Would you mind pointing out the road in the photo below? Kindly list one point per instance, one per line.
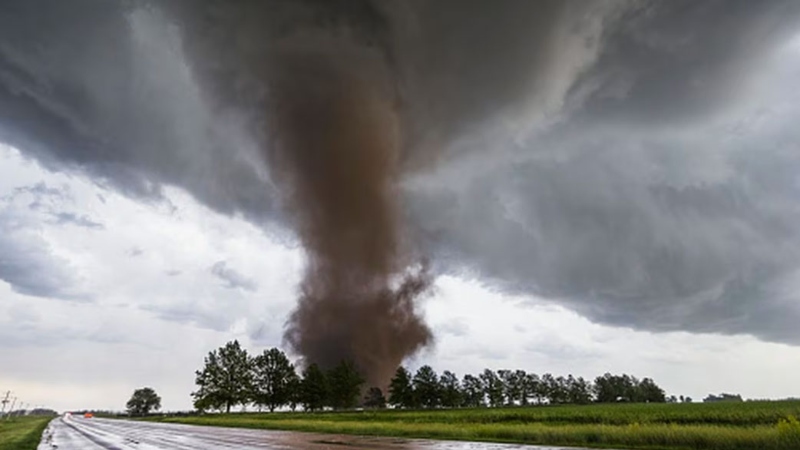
(73, 433)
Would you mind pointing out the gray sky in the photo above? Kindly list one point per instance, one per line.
(627, 201)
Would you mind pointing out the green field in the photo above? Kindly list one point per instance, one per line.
(750, 426)
(22, 433)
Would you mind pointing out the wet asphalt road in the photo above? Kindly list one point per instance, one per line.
(73, 433)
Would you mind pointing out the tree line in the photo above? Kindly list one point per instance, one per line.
(426, 389)
(231, 377)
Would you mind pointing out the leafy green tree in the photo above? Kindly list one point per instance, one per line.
(632, 391)
(450, 390)
(313, 388)
(426, 387)
(143, 401)
(626, 388)
(401, 392)
(610, 388)
(533, 389)
(579, 391)
(295, 390)
(519, 387)
(493, 387)
(513, 386)
(225, 379)
(344, 384)
(558, 390)
(272, 376)
(473, 391)
(650, 392)
(374, 398)
(504, 375)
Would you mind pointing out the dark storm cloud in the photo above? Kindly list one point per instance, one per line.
(653, 233)
(232, 278)
(619, 194)
(633, 212)
(97, 86)
(672, 62)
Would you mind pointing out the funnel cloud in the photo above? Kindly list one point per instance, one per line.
(335, 152)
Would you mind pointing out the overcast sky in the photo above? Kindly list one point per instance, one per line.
(628, 201)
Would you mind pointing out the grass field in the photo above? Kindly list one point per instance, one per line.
(723, 426)
(22, 433)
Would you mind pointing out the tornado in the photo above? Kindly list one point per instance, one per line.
(334, 150)
(347, 99)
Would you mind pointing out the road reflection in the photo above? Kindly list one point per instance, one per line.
(94, 434)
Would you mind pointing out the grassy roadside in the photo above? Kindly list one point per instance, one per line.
(22, 433)
(743, 426)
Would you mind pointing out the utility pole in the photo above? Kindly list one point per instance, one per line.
(12, 407)
(4, 402)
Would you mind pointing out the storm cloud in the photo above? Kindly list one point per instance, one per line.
(634, 161)
(28, 264)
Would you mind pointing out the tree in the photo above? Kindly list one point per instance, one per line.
(514, 387)
(344, 384)
(557, 389)
(225, 379)
(450, 390)
(723, 398)
(313, 388)
(143, 401)
(579, 391)
(374, 398)
(626, 388)
(505, 376)
(550, 389)
(519, 387)
(532, 389)
(472, 391)
(272, 376)
(401, 393)
(612, 388)
(426, 387)
(294, 386)
(650, 392)
(493, 387)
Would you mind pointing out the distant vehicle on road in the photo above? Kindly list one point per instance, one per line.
(88, 415)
